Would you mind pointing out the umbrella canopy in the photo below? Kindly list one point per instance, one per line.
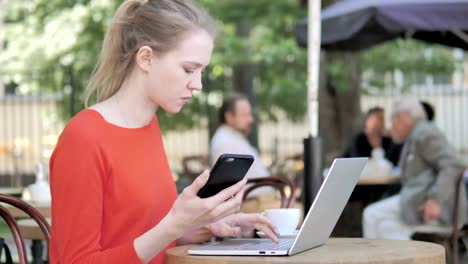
(358, 24)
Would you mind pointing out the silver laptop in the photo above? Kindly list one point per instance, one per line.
(317, 226)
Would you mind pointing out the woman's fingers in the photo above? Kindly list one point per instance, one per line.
(268, 231)
(228, 192)
(265, 221)
(199, 182)
(213, 208)
(228, 207)
(262, 223)
(231, 231)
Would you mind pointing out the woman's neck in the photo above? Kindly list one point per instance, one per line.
(132, 104)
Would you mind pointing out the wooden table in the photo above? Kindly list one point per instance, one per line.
(387, 180)
(335, 251)
(30, 229)
(375, 179)
(43, 208)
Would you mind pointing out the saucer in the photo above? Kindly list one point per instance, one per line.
(292, 235)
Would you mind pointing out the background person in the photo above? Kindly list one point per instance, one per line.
(429, 170)
(236, 120)
(373, 135)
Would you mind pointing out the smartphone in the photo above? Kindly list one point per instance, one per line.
(228, 170)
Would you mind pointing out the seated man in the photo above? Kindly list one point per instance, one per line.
(373, 136)
(235, 118)
(429, 169)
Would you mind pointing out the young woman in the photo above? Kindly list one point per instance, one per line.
(113, 197)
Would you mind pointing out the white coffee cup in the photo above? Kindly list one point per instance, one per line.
(285, 219)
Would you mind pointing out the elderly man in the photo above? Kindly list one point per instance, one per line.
(429, 169)
(236, 119)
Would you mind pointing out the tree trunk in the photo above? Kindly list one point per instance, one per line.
(339, 110)
(244, 74)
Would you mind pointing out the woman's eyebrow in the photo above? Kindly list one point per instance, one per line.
(197, 64)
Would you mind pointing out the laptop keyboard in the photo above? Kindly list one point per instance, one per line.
(283, 244)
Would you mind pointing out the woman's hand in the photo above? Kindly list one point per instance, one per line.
(190, 211)
(243, 225)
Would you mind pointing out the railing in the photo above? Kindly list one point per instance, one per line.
(29, 130)
(30, 126)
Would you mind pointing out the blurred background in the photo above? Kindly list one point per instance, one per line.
(48, 50)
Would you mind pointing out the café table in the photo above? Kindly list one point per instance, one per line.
(43, 208)
(379, 180)
(335, 251)
(30, 230)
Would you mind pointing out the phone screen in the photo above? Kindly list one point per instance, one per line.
(228, 170)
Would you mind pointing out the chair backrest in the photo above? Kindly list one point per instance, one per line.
(10, 220)
(456, 211)
(280, 184)
(453, 232)
(457, 231)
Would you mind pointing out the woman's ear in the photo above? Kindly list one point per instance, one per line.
(144, 58)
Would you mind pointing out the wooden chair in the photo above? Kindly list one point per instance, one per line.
(447, 234)
(10, 220)
(292, 168)
(280, 184)
(193, 166)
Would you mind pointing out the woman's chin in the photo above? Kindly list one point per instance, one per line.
(173, 109)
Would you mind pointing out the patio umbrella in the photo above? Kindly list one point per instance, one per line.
(359, 24)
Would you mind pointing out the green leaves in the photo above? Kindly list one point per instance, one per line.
(281, 66)
(409, 56)
(53, 45)
(414, 59)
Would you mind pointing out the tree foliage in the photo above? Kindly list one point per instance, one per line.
(410, 57)
(53, 45)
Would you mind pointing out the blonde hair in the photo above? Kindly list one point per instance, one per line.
(159, 24)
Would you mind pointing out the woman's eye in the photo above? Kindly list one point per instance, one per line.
(188, 70)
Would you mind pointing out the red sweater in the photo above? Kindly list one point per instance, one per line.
(109, 185)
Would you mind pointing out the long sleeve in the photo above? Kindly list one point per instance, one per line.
(109, 186)
(78, 174)
(436, 151)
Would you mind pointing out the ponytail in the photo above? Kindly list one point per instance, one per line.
(159, 24)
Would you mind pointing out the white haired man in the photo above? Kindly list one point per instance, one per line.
(429, 169)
